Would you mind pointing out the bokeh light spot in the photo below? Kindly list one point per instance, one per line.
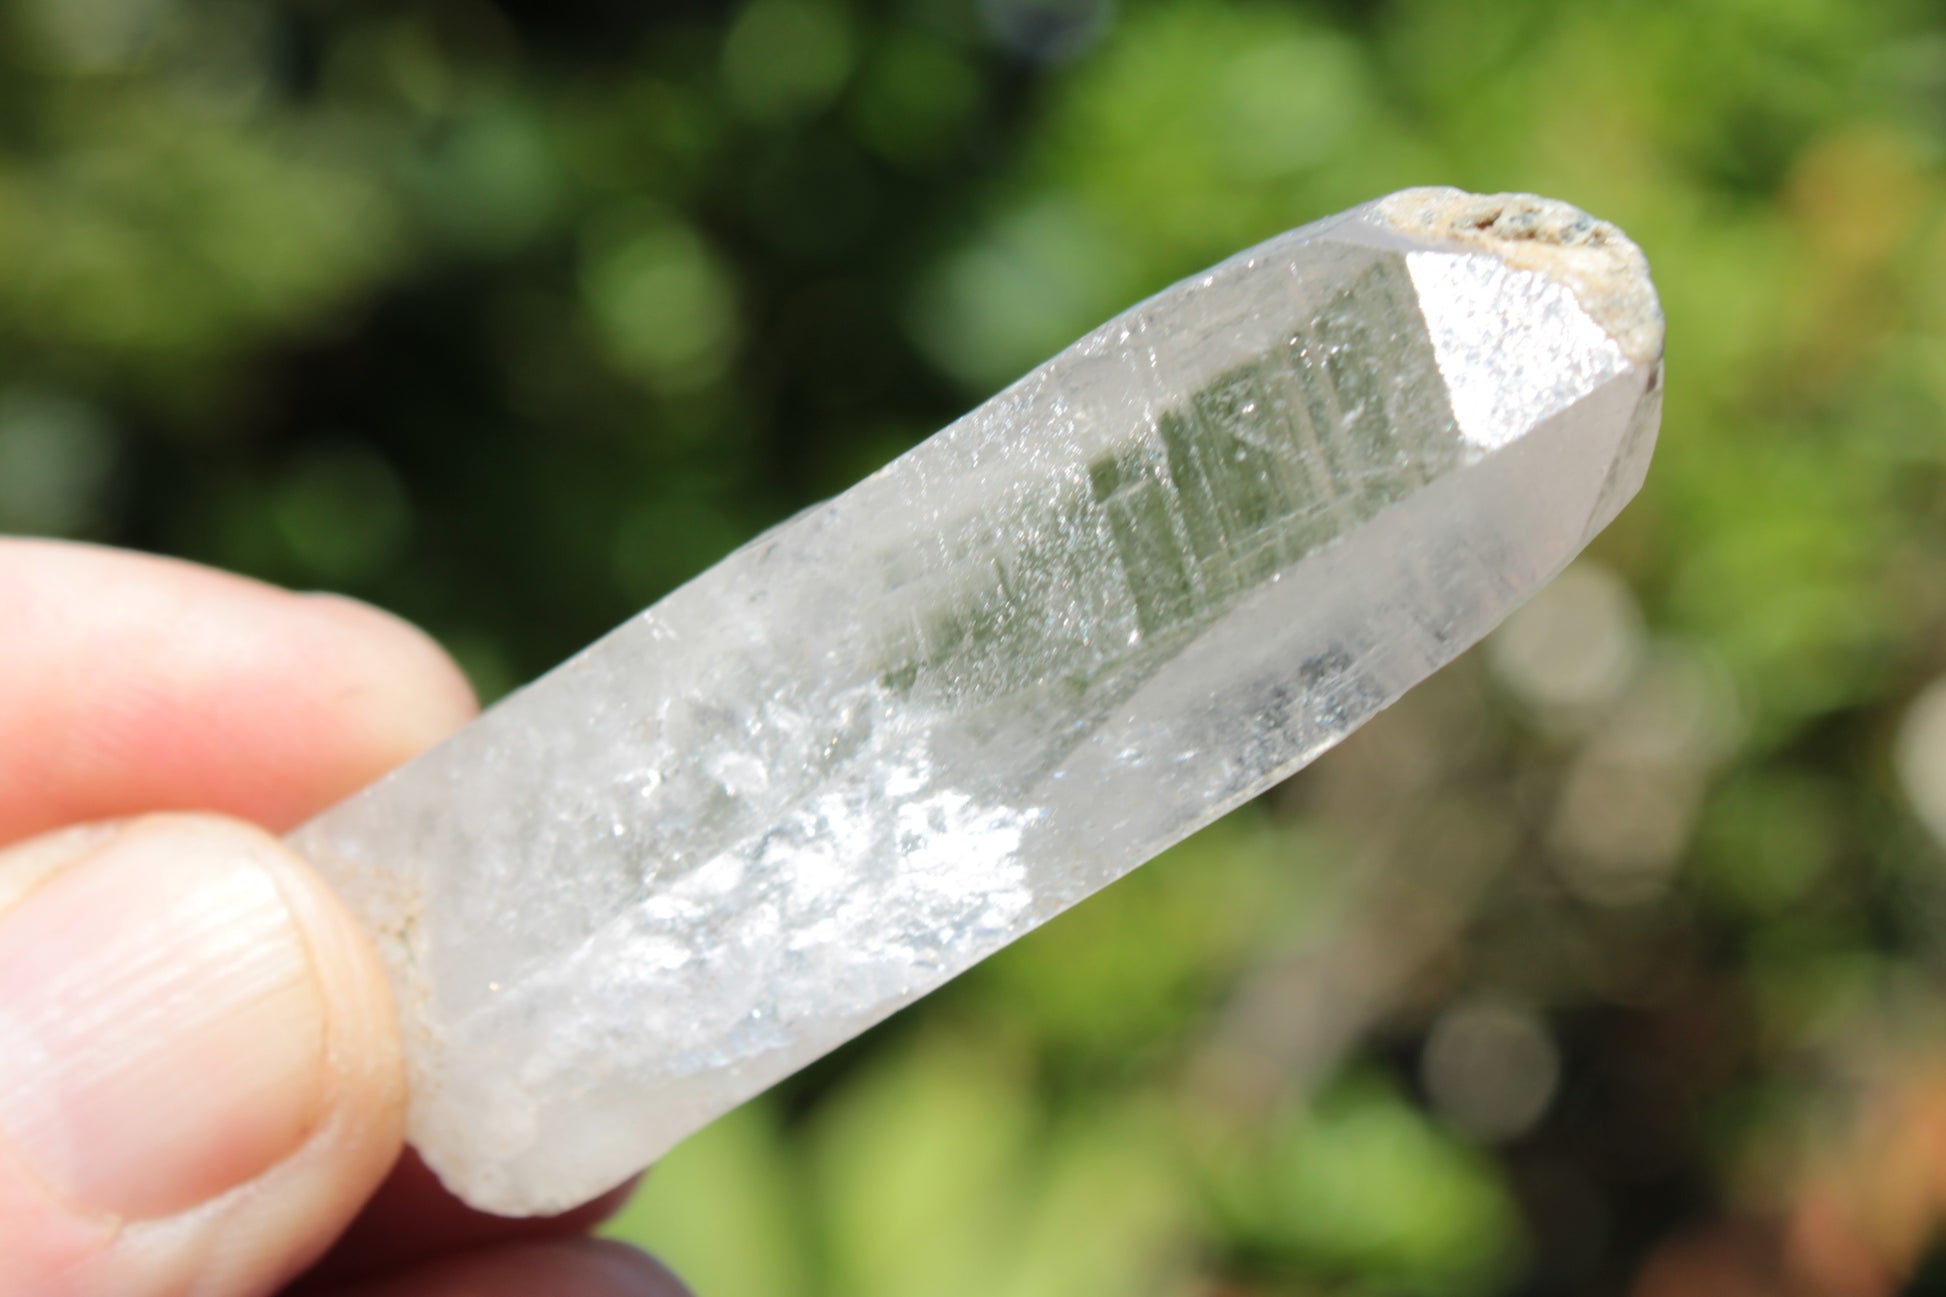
(1921, 758)
(1049, 30)
(1574, 647)
(786, 58)
(663, 301)
(1492, 1068)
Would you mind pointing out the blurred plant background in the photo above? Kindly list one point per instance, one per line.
(1612, 961)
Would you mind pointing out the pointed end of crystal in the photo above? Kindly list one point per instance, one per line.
(1600, 265)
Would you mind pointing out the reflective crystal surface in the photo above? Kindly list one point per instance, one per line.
(1151, 579)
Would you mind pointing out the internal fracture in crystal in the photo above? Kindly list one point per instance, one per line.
(1148, 581)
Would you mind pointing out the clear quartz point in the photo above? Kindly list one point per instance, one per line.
(1140, 586)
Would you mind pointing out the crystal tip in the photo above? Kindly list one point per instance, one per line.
(1603, 268)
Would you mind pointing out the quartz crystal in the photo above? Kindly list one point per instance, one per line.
(1146, 582)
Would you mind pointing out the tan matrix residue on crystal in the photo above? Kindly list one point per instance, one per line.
(1600, 265)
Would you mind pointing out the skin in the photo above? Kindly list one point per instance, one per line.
(159, 725)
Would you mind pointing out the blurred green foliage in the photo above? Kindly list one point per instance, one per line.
(510, 316)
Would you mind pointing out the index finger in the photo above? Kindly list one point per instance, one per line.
(130, 683)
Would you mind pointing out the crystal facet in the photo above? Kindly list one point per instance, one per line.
(1157, 575)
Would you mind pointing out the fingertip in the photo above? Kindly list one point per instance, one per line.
(425, 695)
(132, 683)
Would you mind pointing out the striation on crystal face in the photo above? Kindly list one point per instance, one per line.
(1151, 579)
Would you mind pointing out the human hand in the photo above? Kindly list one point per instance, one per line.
(200, 1084)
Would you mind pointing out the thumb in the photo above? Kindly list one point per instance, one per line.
(199, 1066)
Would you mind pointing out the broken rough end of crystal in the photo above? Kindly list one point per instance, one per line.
(1600, 265)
